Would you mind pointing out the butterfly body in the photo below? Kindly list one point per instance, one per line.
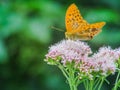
(77, 27)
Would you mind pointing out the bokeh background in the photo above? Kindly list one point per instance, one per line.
(26, 34)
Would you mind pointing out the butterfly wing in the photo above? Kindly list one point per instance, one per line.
(96, 28)
(77, 27)
(73, 19)
(91, 30)
(87, 32)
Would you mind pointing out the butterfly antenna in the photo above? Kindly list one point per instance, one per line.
(58, 29)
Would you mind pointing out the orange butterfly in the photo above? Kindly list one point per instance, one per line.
(77, 27)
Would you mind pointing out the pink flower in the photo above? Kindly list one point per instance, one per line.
(105, 60)
(118, 52)
(69, 51)
(86, 69)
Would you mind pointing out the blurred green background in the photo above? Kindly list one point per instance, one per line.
(26, 34)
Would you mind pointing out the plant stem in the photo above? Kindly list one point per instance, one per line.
(91, 84)
(97, 82)
(72, 78)
(65, 73)
(101, 84)
(69, 73)
(116, 85)
(86, 84)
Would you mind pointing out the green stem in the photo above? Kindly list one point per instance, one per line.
(69, 73)
(97, 82)
(72, 79)
(66, 74)
(86, 85)
(64, 71)
(91, 84)
(75, 87)
(78, 81)
(101, 84)
(116, 85)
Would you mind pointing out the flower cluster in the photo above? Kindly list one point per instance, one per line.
(105, 60)
(69, 51)
(86, 63)
(80, 65)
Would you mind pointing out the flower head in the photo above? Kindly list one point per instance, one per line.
(105, 60)
(69, 50)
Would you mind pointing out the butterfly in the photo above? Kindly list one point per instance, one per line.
(77, 28)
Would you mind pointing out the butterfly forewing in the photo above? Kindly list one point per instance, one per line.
(74, 19)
